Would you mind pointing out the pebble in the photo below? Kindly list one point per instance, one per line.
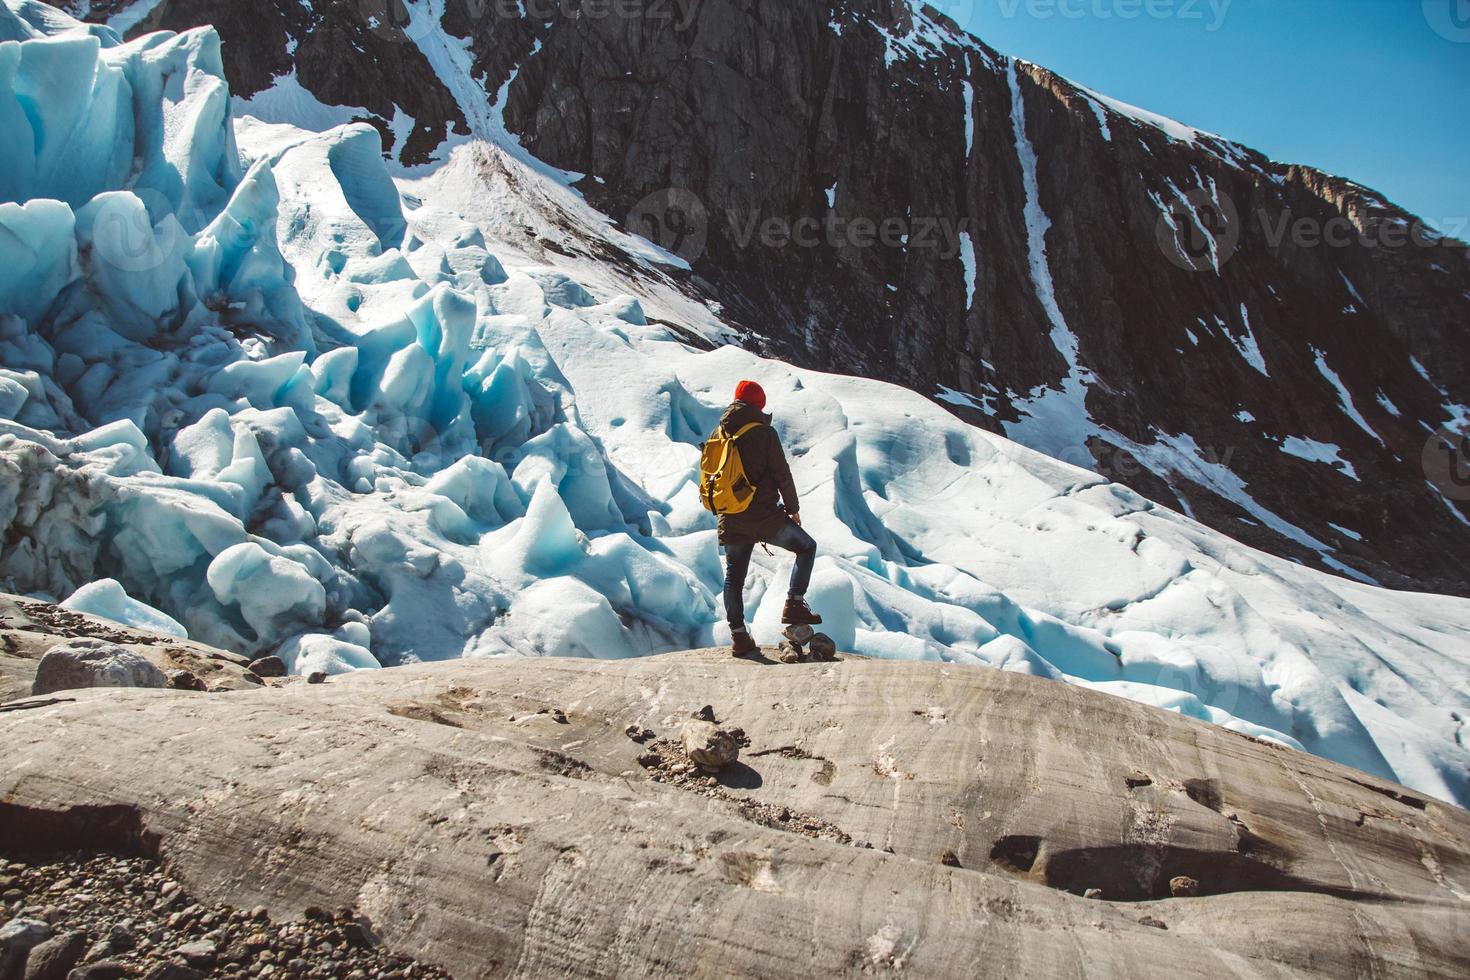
(200, 954)
(1183, 887)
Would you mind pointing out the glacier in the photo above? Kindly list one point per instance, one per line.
(258, 385)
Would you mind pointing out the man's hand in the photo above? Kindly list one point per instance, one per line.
(795, 519)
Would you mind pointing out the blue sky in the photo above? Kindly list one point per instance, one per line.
(1374, 90)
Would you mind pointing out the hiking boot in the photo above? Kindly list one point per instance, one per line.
(741, 644)
(797, 612)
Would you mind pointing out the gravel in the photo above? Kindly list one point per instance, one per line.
(126, 917)
(666, 762)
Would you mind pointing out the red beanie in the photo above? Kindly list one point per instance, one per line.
(751, 393)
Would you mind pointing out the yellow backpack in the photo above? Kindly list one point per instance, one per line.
(723, 485)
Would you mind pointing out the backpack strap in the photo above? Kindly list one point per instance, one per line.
(730, 441)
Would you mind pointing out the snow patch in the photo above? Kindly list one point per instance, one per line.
(1344, 398)
(1057, 422)
(967, 260)
(1318, 452)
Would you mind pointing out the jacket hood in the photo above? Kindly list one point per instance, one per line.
(739, 413)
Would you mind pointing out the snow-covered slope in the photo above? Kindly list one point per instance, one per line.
(297, 406)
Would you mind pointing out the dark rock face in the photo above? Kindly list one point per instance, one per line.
(1265, 346)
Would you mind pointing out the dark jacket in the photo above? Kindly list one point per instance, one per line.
(765, 467)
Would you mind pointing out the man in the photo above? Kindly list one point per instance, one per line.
(773, 517)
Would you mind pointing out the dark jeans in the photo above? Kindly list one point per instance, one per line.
(737, 564)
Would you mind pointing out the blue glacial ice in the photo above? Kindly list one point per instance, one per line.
(107, 598)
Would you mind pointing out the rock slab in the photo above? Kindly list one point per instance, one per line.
(492, 817)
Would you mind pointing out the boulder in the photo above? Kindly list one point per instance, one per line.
(101, 970)
(709, 746)
(822, 647)
(271, 666)
(173, 971)
(84, 662)
(183, 680)
(53, 959)
(17, 938)
(1183, 886)
(200, 954)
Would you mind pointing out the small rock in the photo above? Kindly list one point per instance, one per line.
(357, 936)
(1183, 887)
(1149, 920)
(268, 667)
(949, 859)
(1093, 893)
(634, 732)
(236, 952)
(173, 971)
(54, 958)
(559, 716)
(710, 747)
(199, 954)
(84, 662)
(101, 970)
(316, 677)
(822, 647)
(259, 913)
(649, 760)
(183, 680)
(707, 713)
(17, 938)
